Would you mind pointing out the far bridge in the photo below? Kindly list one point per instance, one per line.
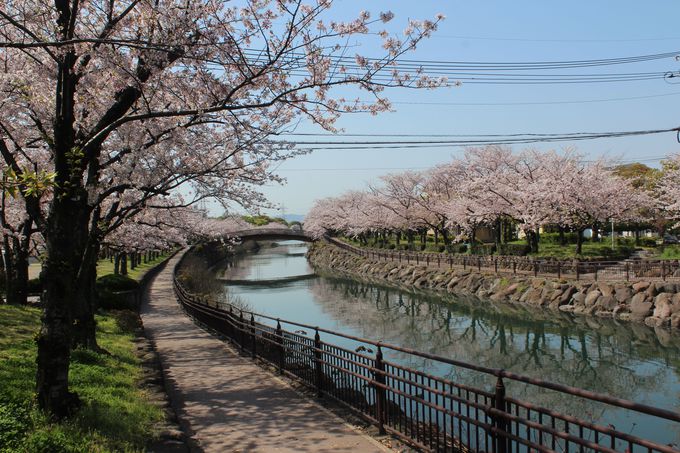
(271, 234)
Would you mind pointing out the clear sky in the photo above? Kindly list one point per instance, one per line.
(503, 31)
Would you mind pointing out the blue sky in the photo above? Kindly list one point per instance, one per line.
(518, 31)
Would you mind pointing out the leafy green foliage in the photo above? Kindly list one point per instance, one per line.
(261, 220)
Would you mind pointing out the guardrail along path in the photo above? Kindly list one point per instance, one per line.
(227, 403)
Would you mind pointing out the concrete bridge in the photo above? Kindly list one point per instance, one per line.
(272, 234)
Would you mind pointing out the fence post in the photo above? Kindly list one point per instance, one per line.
(499, 422)
(380, 393)
(464, 262)
(535, 268)
(578, 275)
(495, 264)
(479, 263)
(627, 271)
(559, 269)
(231, 324)
(282, 348)
(242, 330)
(427, 260)
(450, 262)
(596, 272)
(253, 337)
(438, 262)
(514, 267)
(317, 363)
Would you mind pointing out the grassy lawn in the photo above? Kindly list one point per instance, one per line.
(105, 267)
(116, 414)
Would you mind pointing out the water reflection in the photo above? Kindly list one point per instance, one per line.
(627, 361)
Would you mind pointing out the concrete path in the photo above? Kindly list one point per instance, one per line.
(225, 402)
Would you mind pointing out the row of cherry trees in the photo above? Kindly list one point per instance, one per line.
(490, 186)
(110, 108)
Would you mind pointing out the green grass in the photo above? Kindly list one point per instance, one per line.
(116, 414)
(105, 267)
(669, 252)
(589, 249)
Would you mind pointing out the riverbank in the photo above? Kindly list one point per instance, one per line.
(657, 304)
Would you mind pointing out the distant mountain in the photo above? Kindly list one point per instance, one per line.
(293, 217)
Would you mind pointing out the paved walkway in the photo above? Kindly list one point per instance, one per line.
(225, 402)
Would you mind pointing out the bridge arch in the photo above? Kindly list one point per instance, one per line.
(271, 234)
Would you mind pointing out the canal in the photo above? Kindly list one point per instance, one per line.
(624, 360)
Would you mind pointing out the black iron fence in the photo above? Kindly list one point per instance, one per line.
(572, 269)
(428, 411)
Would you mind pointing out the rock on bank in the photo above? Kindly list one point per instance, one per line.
(657, 304)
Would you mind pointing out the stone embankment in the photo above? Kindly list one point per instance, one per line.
(657, 304)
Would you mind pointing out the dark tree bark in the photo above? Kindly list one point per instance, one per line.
(123, 264)
(16, 283)
(579, 241)
(116, 264)
(562, 238)
(85, 305)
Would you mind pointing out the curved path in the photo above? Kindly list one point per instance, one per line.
(225, 402)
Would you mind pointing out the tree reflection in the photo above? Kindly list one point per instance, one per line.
(627, 361)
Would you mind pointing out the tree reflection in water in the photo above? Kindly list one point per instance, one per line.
(624, 360)
(628, 361)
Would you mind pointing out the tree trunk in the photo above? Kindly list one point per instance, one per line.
(596, 233)
(637, 235)
(123, 264)
(532, 241)
(85, 303)
(563, 241)
(67, 232)
(16, 261)
(409, 238)
(116, 264)
(579, 241)
(497, 233)
(398, 237)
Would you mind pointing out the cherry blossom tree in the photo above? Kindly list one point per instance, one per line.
(76, 75)
(668, 189)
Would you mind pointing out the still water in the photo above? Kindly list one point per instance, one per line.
(624, 360)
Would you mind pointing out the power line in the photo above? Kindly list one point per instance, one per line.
(496, 38)
(457, 137)
(583, 101)
(622, 161)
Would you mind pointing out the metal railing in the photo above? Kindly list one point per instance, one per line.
(574, 269)
(430, 412)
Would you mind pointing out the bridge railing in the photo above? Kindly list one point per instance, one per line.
(574, 269)
(428, 411)
(269, 232)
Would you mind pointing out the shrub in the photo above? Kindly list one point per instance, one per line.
(554, 238)
(441, 248)
(482, 249)
(109, 288)
(513, 249)
(648, 242)
(422, 247)
(392, 246)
